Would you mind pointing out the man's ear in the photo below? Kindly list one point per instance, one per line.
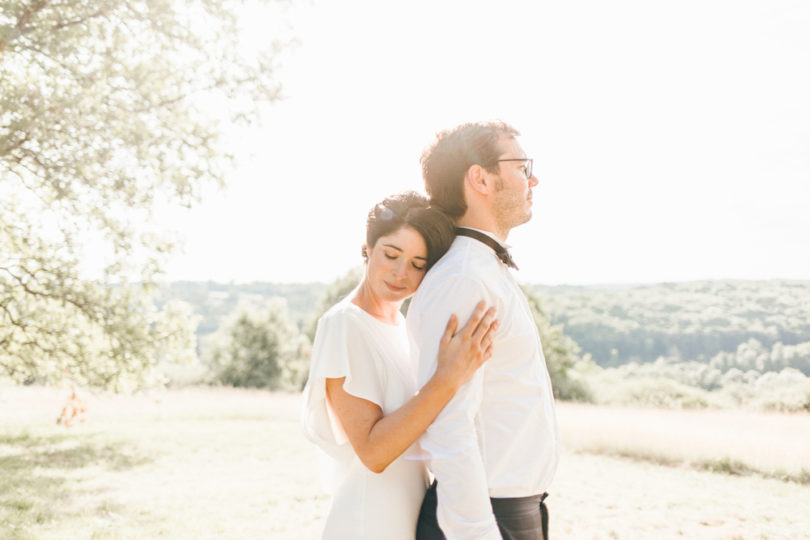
(478, 179)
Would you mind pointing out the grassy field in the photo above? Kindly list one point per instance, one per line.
(232, 464)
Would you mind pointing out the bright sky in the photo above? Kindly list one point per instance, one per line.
(671, 139)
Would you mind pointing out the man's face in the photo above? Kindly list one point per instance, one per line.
(512, 203)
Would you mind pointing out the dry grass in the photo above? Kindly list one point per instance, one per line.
(774, 445)
(230, 464)
(192, 464)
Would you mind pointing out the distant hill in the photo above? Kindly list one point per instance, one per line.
(679, 321)
(213, 301)
(616, 324)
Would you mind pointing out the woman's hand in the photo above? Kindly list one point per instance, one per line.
(462, 353)
(379, 439)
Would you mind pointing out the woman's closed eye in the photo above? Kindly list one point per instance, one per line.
(392, 257)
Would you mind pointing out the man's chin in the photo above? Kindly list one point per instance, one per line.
(526, 217)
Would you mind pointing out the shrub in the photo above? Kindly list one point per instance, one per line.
(259, 347)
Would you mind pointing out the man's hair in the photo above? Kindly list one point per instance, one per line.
(447, 160)
(409, 209)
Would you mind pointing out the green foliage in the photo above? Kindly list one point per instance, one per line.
(751, 374)
(213, 302)
(754, 355)
(336, 292)
(649, 385)
(259, 347)
(788, 390)
(695, 385)
(103, 115)
(699, 344)
(684, 321)
(726, 465)
(565, 365)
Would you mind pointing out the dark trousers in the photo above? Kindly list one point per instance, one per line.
(519, 518)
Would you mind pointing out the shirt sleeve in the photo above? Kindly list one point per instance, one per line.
(342, 348)
(452, 440)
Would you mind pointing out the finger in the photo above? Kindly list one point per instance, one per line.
(489, 337)
(485, 324)
(475, 318)
(450, 328)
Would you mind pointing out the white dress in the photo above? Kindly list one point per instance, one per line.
(374, 358)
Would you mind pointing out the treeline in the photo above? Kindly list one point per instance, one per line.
(743, 324)
(213, 301)
(700, 344)
(260, 334)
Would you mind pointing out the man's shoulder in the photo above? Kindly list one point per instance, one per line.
(457, 274)
(464, 258)
(449, 271)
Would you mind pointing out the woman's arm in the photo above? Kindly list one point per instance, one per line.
(378, 439)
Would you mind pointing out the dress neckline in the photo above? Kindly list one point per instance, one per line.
(398, 324)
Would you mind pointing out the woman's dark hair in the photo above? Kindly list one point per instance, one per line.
(410, 209)
(447, 160)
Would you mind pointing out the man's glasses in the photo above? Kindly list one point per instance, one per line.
(529, 164)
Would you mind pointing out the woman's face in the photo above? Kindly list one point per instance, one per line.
(396, 264)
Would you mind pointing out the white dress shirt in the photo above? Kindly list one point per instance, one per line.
(498, 436)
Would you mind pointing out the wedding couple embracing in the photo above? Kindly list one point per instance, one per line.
(430, 428)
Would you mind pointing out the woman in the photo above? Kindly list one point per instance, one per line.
(361, 405)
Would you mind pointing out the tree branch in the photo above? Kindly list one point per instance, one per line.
(29, 12)
(102, 12)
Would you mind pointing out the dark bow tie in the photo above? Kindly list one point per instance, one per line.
(500, 251)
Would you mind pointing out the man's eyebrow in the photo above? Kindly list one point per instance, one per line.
(392, 246)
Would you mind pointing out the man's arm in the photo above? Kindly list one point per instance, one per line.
(451, 441)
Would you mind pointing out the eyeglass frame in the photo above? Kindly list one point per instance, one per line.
(529, 167)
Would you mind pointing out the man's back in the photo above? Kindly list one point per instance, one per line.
(498, 436)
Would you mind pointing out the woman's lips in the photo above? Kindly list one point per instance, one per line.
(394, 287)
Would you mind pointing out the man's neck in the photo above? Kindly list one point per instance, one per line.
(489, 226)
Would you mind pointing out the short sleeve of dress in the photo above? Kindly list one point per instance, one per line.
(344, 347)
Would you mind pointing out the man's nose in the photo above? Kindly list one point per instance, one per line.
(533, 181)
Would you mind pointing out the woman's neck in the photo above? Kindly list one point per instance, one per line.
(384, 310)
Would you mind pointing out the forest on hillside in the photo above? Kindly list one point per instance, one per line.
(213, 301)
(702, 321)
(690, 321)
(690, 344)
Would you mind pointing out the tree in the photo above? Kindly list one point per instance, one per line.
(562, 355)
(104, 114)
(336, 292)
(259, 348)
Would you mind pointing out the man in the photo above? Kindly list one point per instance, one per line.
(494, 448)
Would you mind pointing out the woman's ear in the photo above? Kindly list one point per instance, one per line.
(364, 252)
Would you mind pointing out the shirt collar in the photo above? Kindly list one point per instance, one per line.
(507, 246)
